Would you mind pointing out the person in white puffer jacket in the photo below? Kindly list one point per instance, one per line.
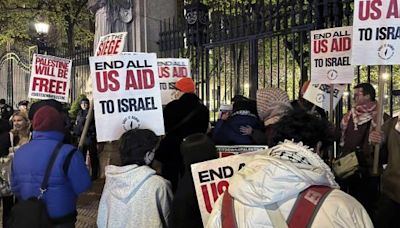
(280, 173)
(134, 195)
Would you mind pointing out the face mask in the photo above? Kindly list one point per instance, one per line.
(148, 158)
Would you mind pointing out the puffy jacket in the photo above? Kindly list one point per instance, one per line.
(227, 132)
(134, 196)
(278, 176)
(29, 166)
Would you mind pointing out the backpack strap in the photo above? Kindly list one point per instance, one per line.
(67, 160)
(307, 205)
(228, 211)
(275, 216)
(45, 184)
(302, 214)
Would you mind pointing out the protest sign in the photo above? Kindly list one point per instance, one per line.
(170, 71)
(331, 56)
(376, 32)
(225, 151)
(319, 95)
(111, 44)
(50, 78)
(126, 94)
(211, 179)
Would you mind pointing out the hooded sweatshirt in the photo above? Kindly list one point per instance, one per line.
(278, 176)
(134, 196)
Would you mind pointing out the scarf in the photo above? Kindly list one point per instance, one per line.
(303, 157)
(274, 113)
(361, 114)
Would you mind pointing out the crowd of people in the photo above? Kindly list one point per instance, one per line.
(153, 185)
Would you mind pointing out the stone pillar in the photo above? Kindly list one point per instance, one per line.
(145, 28)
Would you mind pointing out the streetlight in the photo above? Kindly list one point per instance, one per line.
(42, 28)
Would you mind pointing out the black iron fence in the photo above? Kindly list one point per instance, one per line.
(236, 47)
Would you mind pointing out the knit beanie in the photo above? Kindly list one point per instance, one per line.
(271, 101)
(48, 118)
(134, 145)
(185, 85)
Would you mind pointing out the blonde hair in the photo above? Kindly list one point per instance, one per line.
(24, 115)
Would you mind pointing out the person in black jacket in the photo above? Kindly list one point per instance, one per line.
(182, 118)
(5, 110)
(90, 143)
(185, 209)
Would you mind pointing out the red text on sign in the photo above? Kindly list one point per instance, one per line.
(107, 80)
(320, 46)
(216, 190)
(139, 79)
(49, 86)
(341, 44)
(109, 47)
(369, 9)
(177, 72)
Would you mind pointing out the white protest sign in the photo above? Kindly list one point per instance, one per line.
(331, 56)
(376, 32)
(111, 44)
(126, 94)
(225, 151)
(211, 179)
(50, 78)
(170, 71)
(320, 95)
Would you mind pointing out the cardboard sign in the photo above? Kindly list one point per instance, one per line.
(211, 179)
(225, 151)
(376, 32)
(170, 71)
(111, 44)
(50, 78)
(126, 94)
(331, 56)
(320, 95)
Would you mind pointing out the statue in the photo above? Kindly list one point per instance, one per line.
(111, 16)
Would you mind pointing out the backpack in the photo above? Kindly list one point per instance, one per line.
(302, 214)
(33, 212)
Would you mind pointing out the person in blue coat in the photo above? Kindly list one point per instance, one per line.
(68, 178)
(227, 129)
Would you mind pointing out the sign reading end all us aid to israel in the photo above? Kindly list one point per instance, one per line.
(376, 32)
(331, 56)
(126, 95)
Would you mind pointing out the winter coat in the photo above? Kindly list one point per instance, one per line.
(168, 153)
(79, 125)
(227, 132)
(391, 175)
(185, 208)
(29, 166)
(278, 176)
(134, 196)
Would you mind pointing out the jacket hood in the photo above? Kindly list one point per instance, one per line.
(126, 180)
(278, 174)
